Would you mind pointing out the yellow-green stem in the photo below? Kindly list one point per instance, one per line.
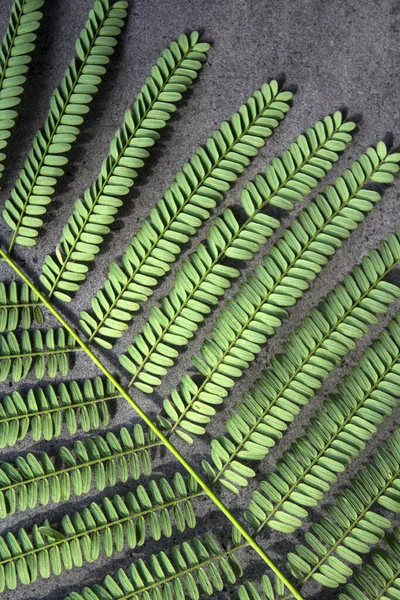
(245, 534)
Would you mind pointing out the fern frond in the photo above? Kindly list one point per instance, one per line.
(312, 353)
(380, 580)
(259, 308)
(186, 204)
(335, 437)
(33, 191)
(15, 55)
(202, 281)
(45, 352)
(271, 590)
(198, 566)
(19, 307)
(42, 412)
(353, 526)
(153, 511)
(82, 236)
(33, 480)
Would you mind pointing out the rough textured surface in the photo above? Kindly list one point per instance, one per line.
(336, 54)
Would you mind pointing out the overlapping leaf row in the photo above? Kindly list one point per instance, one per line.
(19, 307)
(45, 352)
(259, 308)
(379, 578)
(43, 167)
(202, 281)
(353, 526)
(15, 55)
(327, 336)
(335, 437)
(195, 567)
(103, 460)
(186, 204)
(42, 412)
(82, 236)
(311, 354)
(155, 511)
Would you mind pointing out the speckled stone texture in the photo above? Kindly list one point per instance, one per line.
(335, 54)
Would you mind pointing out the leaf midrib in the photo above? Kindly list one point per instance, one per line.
(55, 127)
(248, 321)
(181, 208)
(222, 253)
(67, 257)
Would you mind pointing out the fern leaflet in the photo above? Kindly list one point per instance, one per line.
(202, 281)
(353, 526)
(42, 412)
(34, 188)
(106, 527)
(45, 353)
(15, 55)
(311, 355)
(19, 307)
(185, 205)
(34, 480)
(259, 308)
(194, 567)
(82, 236)
(336, 435)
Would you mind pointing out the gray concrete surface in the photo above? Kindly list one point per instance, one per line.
(338, 54)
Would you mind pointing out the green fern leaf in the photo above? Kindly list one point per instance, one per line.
(335, 437)
(33, 480)
(196, 567)
(259, 308)
(186, 204)
(45, 352)
(202, 281)
(15, 56)
(82, 236)
(153, 511)
(42, 412)
(379, 580)
(353, 526)
(271, 590)
(33, 191)
(261, 420)
(19, 307)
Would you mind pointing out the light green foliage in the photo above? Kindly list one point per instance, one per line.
(15, 55)
(197, 188)
(202, 281)
(103, 460)
(176, 69)
(45, 163)
(339, 548)
(107, 527)
(42, 412)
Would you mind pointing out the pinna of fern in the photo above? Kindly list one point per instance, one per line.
(186, 204)
(203, 280)
(354, 524)
(311, 354)
(260, 306)
(42, 412)
(82, 236)
(326, 336)
(377, 579)
(153, 511)
(35, 187)
(335, 437)
(15, 55)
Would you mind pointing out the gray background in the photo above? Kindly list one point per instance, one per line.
(337, 54)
